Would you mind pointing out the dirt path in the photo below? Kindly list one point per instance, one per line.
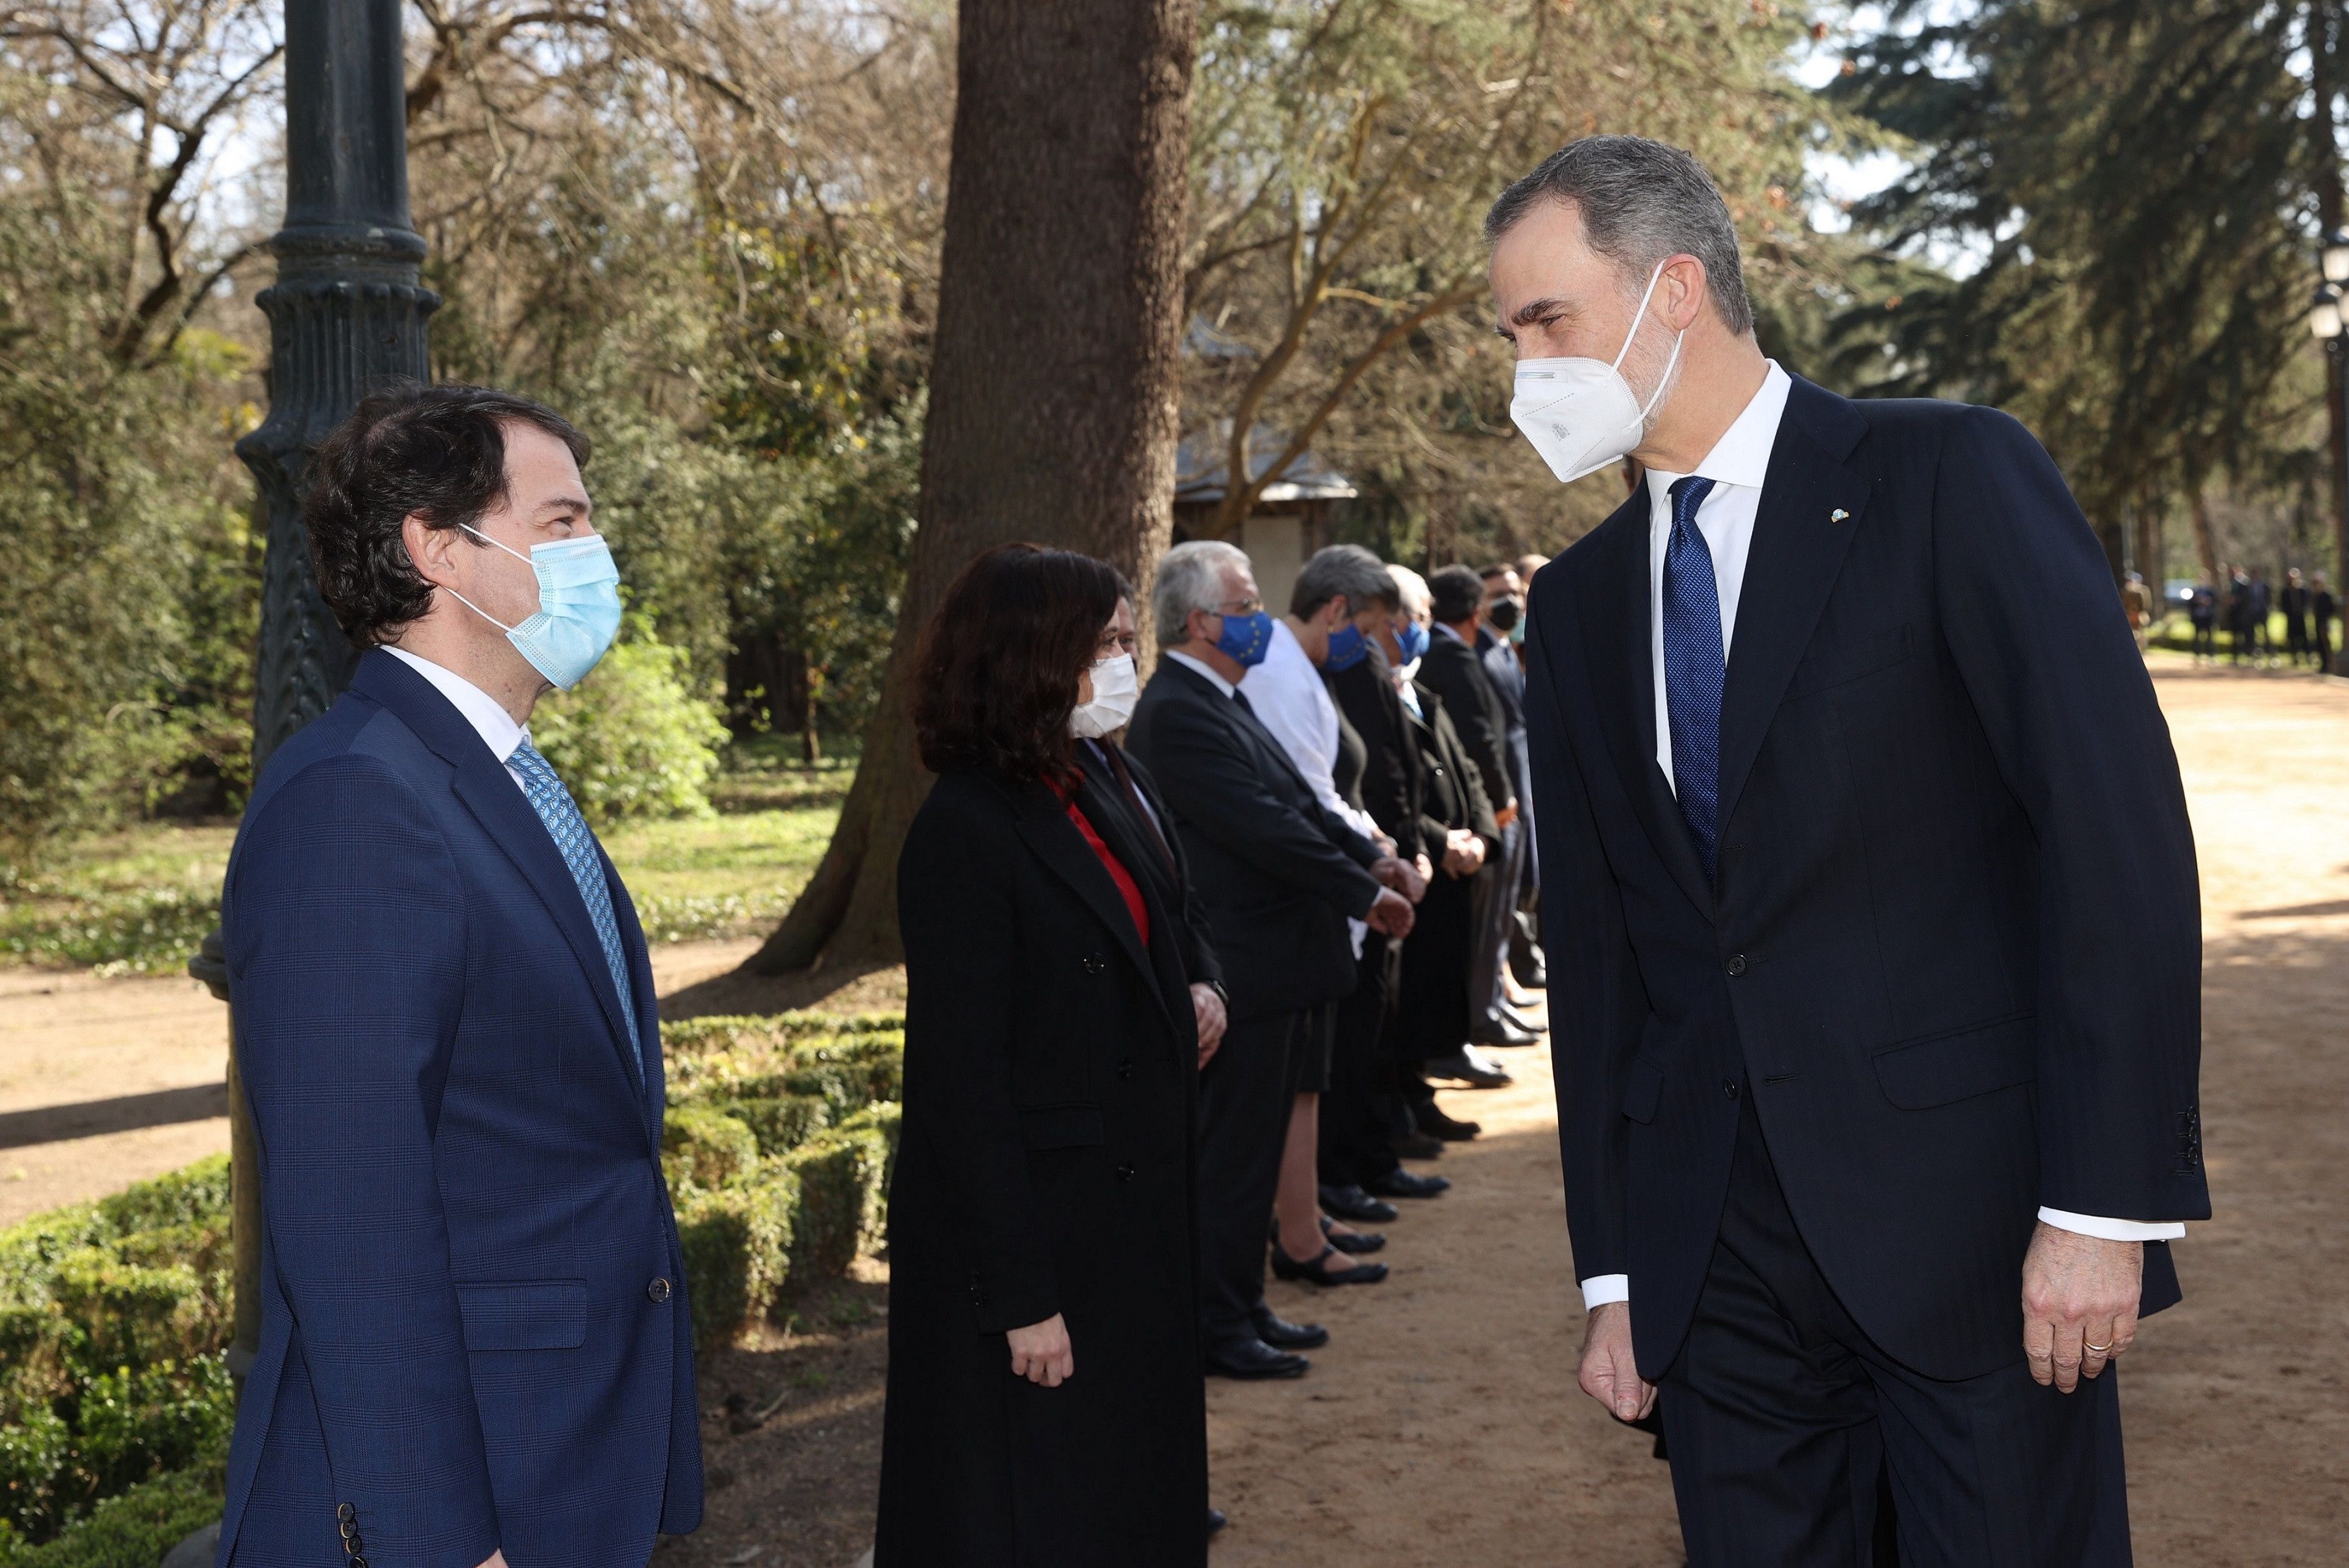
(1442, 1425)
(104, 1082)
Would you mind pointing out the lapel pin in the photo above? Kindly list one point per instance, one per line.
(1839, 515)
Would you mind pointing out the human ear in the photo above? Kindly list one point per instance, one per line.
(429, 548)
(1685, 288)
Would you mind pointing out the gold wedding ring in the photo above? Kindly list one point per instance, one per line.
(2097, 1349)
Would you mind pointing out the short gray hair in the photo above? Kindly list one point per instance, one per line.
(1341, 569)
(1412, 589)
(1640, 201)
(1190, 577)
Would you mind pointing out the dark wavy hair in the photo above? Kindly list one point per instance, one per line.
(995, 678)
(436, 453)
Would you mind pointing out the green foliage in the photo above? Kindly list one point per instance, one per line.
(33, 1449)
(703, 1147)
(738, 1245)
(771, 1031)
(780, 1122)
(2131, 185)
(632, 740)
(112, 1318)
(136, 1422)
(839, 1177)
(135, 1529)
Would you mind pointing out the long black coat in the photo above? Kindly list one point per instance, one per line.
(1046, 1167)
(1951, 950)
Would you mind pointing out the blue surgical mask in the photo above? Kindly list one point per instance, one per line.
(1410, 640)
(578, 610)
(1245, 639)
(1348, 647)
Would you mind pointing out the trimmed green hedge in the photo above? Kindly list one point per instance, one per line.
(134, 1530)
(815, 1097)
(115, 1401)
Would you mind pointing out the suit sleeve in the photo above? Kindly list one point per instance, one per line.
(1460, 679)
(1214, 786)
(961, 931)
(1481, 804)
(2054, 674)
(346, 932)
(1599, 1005)
(1385, 794)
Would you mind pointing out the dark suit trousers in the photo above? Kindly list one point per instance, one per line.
(1780, 1415)
(1354, 1146)
(1243, 1122)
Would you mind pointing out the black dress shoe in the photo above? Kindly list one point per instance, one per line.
(1447, 1129)
(1404, 1184)
(1282, 1335)
(1418, 1146)
(1355, 1242)
(1350, 1202)
(1495, 1030)
(1250, 1358)
(1316, 1269)
(1464, 1067)
(1216, 1521)
(1516, 1018)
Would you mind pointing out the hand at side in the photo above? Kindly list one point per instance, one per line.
(2079, 1302)
(1207, 1008)
(1611, 1374)
(1041, 1354)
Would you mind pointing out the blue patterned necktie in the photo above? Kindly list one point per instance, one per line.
(1693, 669)
(561, 814)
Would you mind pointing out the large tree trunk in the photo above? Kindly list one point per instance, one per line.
(1052, 376)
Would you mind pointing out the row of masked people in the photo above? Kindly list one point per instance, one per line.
(1177, 1004)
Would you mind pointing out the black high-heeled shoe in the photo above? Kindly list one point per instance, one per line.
(1354, 1242)
(1318, 1271)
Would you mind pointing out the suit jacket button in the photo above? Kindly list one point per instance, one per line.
(1125, 1173)
(352, 1545)
(659, 1290)
(1736, 965)
(1729, 1088)
(346, 1512)
(1125, 1068)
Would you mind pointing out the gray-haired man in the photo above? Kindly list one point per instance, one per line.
(1874, 916)
(1278, 873)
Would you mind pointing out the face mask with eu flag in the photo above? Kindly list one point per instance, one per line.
(578, 610)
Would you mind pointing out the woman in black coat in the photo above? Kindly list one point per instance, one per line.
(1046, 1405)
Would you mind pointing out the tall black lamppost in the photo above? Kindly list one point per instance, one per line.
(347, 313)
(2326, 320)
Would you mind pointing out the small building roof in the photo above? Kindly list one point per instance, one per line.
(1200, 473)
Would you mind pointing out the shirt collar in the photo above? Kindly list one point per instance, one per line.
(1187, 662)
(492, 723)
(1742, 455)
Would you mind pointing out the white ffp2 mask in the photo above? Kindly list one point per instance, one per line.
(1581, 414)
(1115, 691)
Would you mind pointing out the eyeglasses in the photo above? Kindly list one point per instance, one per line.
(1238, 607)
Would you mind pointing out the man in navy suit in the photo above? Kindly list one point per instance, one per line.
(1873, 908)
(475, 1348)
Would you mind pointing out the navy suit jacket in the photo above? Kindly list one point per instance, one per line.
(473, 1326)
(1953, 951)
(1275, 872)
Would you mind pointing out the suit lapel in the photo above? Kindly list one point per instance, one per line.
(1811, 507)
(1617, 633)
(1105, 805)
(1044, 824)
(497, 802)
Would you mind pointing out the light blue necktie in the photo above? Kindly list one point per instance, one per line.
(1694, 667)
(561, 814)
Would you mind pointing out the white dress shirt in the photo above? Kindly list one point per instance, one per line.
(491, 722)
(1287, 698)
(1737, 465)
(1205, 668)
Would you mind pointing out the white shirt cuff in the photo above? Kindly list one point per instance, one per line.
(2115, 1230)
(1600, 1290)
